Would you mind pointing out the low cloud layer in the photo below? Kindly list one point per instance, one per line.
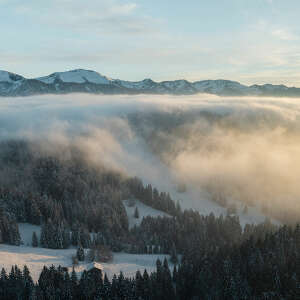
(242, 150)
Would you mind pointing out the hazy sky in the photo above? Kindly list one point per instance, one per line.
(252, 41)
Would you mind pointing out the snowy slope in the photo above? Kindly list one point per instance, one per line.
(76, 76)
(201, 201)
(143, 210)
(222, 87)
(9, 77)
(88, 81)
(177, 86)
(36, 258)
(197, 200)
(146, 84)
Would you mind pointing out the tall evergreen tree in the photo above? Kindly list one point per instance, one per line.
(34, 242)
(136, 213)
(80, 253)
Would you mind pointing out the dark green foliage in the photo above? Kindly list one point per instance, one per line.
(258, 269)
(136, 213)
(151, 197)
(164, 234)
(16, 285)
(35, 242)
(173, 255)
(67, 194)
(80, 253)
(9, 231)
(54, 236)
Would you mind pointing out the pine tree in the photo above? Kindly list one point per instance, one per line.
(34, 240)
(74, 283)
(136, 213)
(14, 235)
(66, 238)
(91, 255)
(28, 284)
(80, 253)
(3, 276)
(173, 258)
(174, 274)
(75, 237)
(44, 236)
(106, 288)
(139, 285)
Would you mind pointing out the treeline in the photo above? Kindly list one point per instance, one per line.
(163, 234)
(264, 268)
(152, 197)
(160, 235)
(81, 205)
(9, 231)
(267, 268)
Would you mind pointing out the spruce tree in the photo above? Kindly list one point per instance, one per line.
(80, 253)
(34, 240)
(136, 213)
(27, 284)
(173, 258)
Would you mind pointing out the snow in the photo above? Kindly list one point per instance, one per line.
(201, 201)
(37, 258)
(4, 76)
(220, 85)
(9, 77)
(139, 85)
(34, 258)
(81, 76)
(76, 76)
(143, 210)
(126, 263)
(177, 85)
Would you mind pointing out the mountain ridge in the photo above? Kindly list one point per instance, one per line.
(89, 81)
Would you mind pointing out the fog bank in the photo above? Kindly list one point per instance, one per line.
(241, 150)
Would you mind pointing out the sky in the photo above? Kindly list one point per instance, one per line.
(251, 41)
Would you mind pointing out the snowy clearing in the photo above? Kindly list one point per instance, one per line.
(36, 258)
(143, 210)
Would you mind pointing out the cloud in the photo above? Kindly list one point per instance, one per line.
(284, 35)
(239, 149)
(102, 17)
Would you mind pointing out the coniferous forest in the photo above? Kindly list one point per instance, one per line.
(258, 268)
(149, 150)
(213, 257)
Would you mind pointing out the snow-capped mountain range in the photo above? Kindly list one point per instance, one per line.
(87, 81)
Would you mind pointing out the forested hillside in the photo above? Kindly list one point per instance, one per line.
(259, 268)
(67, 195)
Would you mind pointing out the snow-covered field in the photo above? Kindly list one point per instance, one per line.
(36, 258)
(143, 210)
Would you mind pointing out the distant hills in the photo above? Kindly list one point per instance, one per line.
(87, 81)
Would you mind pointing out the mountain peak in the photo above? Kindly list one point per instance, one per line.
(89, 81)
(76, 76)
(9, 77)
